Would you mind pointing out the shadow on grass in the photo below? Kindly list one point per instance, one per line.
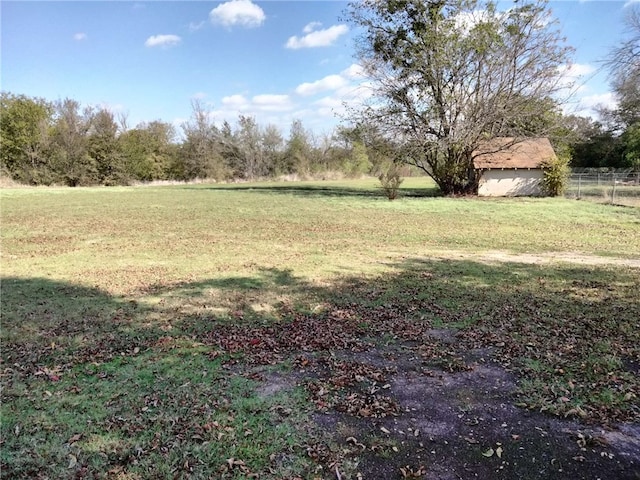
(47, 322)
(570, 334)
(557, 314)
(267, 279)
(328, 191)
(562, 327)
(40, 311)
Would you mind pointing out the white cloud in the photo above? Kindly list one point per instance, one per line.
(272, 103)
(354, 71)
(236, 102)
(592, 102)
(80, 36)
(162, 41)
(310, 27)
(330, 102)
(331, 82)
(276, 109)
(195, 26)
(589, 105)
(258, 103)
(317, 38)
(238, 12)
(576, 70)
(317, 103)
(356, 93)
(353, 95)
(574, 76)
(347, 89)
(630, 2)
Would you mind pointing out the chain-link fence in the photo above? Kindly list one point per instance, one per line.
(620, 187)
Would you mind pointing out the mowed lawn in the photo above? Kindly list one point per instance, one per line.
(147, 332)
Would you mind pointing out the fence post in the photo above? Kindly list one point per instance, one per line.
(579, 186)
(613, 190)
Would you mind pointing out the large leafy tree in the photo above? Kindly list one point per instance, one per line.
(250, 161)
(24, 137)
(201, 155)
(105, 149)
(448, 74)
(624, 65)
(377, 148)
(70, 149)
(272, 144)
(148, 150)
(298, 154)
(596, 147)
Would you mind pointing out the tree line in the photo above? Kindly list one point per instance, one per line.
(445, 76)
(61, 142)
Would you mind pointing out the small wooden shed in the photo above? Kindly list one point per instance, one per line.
(510, 167)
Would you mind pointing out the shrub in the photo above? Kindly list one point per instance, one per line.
(555, 178)
(390, 180)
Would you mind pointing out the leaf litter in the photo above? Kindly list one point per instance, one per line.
(383, 373)
(451, 386)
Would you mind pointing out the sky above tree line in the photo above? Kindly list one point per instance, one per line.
(274, 60)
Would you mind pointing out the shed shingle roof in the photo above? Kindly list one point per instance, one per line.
(503, 153)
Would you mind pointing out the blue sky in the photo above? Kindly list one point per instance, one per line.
(274, 60)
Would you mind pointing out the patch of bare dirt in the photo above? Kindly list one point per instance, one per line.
(397, 398)
(498, 256)
(388, 413)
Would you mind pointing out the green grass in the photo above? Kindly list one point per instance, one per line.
(158, 413)
(137, 323)
(88, 236)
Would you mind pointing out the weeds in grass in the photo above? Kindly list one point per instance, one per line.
(390, 181)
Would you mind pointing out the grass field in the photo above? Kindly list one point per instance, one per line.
(191, 331)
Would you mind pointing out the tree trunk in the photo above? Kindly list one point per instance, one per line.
(465, 178)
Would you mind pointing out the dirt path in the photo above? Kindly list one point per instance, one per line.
(465, 425)
(452, 426)
(499, 256)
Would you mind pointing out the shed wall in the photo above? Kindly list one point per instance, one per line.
(510, 183)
